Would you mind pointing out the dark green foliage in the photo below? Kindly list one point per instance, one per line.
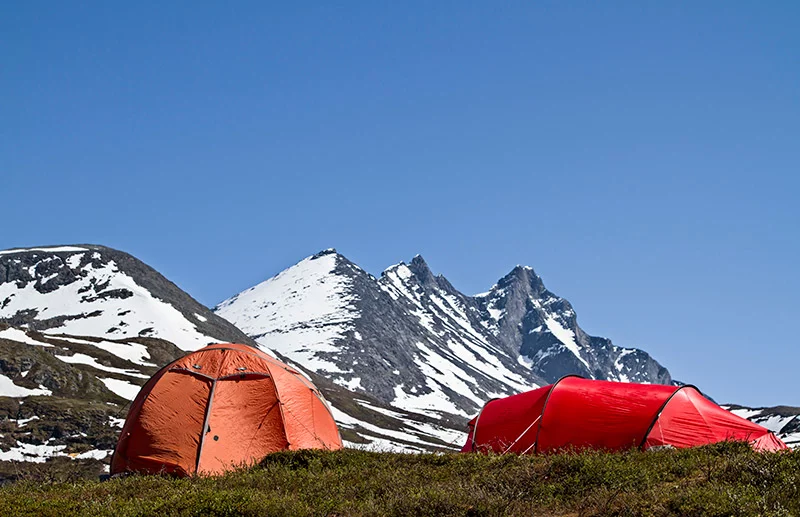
(724, 479)
(60, 469)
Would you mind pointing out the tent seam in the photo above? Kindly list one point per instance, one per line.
(544, 408)
(203, 432)
(661, 410)
(706, 421)
(280, 407)
(256, 352)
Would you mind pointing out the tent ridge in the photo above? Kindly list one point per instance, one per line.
(242, 375)
(661, 410)
(180, 369)
(328, 409)
(280, 408)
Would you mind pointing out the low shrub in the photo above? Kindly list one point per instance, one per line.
(722, 479)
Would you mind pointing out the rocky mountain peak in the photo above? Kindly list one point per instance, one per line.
(419, 266)
(523, 281)
(329, 251)
(423, 273)
(413, 340)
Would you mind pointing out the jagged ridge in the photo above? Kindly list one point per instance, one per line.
(412, 340)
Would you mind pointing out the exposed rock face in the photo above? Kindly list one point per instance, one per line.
(39, 371)
(543, 328)
(410, 339)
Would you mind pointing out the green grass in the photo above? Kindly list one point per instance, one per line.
(724, 479)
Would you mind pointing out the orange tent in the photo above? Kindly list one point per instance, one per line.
(221, 407)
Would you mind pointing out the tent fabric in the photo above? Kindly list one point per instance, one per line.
(587, 414)
(218, 408)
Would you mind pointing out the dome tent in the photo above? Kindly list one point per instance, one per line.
(587, 414)
(221, 407)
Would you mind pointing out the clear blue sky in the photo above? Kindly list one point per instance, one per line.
(643, 158)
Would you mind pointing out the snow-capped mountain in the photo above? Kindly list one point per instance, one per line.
(403, 359)
(412, 340)
(83, 327)
(97, 291)
(784, 421)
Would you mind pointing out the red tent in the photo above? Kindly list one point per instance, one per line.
(585, 414)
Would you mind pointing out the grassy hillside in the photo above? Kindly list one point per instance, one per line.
(725, 479)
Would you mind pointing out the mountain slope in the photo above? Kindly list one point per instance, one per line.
(67, 395)
(543, 329)
(784, 421)
(403, 359)
(91, 290)
(412, 340)
(93, 324)
(90, 326)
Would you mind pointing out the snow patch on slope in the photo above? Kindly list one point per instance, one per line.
(120, 309)
(619, 366)
(20, 336)
(410, 436)
(136, 353)
(124, 389)
(778, 423)
(9, 389)
(41, 453)
(91, 361)
(32, 453)
(58, 249)
(299, 313)
(567, 338)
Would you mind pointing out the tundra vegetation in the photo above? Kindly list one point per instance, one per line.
(716, 480)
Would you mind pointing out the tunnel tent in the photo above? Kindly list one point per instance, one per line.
(588, 414)
(218, 408)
